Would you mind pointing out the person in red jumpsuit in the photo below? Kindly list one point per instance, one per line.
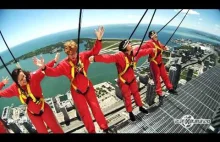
(27, 88)
(81, 88)
(3, 129)
(125, 63)
(157, 66)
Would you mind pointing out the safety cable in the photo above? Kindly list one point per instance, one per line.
(137, 24)
(79, 29)
(145, 33)
(9, 50)
(169, 21)
(176, 28)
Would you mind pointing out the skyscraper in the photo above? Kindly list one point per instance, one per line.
(29, 127)
(189, 74)
(66, 116)
(144, 79)
(174, 74)
(118, 92)
(13, 126)
(150, 94)
(56, 105)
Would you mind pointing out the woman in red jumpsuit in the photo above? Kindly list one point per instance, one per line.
(82, 89)
(27, 88)
(3, 129)
(157, 66)
(125, 63)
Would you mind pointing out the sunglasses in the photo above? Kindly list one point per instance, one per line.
(126, 43)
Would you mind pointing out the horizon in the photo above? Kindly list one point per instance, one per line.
(1, 51)
(22, 25)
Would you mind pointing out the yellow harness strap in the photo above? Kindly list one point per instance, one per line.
(155, 55)
(22, 97)
(73, 72)
(126, 68)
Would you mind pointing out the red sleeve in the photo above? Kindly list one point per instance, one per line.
(1, 85)
(8, 92)
(95, 50)
(38, 75)
(54, 72)
(144, 52)
(51, 63)
(146, 45)
(106, 58)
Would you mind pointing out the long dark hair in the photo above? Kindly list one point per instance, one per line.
(15, 74)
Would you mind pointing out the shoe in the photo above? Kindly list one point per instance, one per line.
(143, 110)
(132, 117)
(109, 131)
(172, 91)
(161, 100)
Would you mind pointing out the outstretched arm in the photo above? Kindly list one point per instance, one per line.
(54, 72)
(146, 45)
(39, 74)
(4, 81)
(49, 71)
(8, 92)
(98, 43)
(104, 58)
(145, 52)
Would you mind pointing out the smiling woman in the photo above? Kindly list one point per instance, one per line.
(27, 88)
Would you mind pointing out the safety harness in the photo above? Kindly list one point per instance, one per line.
(31, 96)
(156, 54)
(128, 65)
(79, 69)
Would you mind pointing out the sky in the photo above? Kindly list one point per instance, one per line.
(21, 25)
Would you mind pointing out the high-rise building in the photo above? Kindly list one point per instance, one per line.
(195, 49)
(144, 79)
(199, 49)
(7, 113)
(174, 74)
(66, 116)
(189, 74)
(29, 127)
(56, 105)
(206, 63)
(184, 58)
(118, 92)
(150, 94)
(13, 126)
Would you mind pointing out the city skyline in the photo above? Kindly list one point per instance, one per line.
(19, 26)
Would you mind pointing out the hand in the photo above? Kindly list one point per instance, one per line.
(57, 56)
(99, 33)
(166, 48)
(39, 62)
(91, 59)
(5, 80)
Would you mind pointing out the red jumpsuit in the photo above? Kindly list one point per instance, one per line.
(132, 88)
(157, 68)
(47, 116)
(2, 127)
(81, 82)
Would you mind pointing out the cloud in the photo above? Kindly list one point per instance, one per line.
(217, 25)
(133, 16)
(193, 12)
(200, 19)
(198, 23)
